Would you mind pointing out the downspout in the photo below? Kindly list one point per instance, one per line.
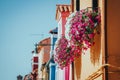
(105, 38)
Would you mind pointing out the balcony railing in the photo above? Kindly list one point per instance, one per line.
(100, 71)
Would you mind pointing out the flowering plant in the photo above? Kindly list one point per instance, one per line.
(63, 53)
(81, 28)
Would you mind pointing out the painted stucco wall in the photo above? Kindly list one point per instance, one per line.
(40, 63)
(85, 3)
(113, 37)
(59, 72)
(43, 55)
(62, 74)
(53, 40)
(87, 68)
(52, 67)
(59, 28)
(64, 16)
(46, 55)
(61, 23)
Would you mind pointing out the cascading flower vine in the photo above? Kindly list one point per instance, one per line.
(81, 28)
(63, 53)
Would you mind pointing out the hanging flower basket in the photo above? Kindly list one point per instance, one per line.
(63, 53)
(81, 27)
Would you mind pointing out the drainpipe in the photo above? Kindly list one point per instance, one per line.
(105, 37)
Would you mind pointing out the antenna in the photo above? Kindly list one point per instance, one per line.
(42, 35)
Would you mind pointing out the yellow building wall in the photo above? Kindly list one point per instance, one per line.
(85, 3)
(113, 37)
(74, 5)
(87, 68)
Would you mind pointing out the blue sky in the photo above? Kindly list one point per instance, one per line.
(21, 24)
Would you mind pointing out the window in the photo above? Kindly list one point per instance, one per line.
(35, 66)
(95, 4)
(35, 59)
(77, 5)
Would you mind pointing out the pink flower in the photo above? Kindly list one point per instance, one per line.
(91, 35)
(63, 53)
(81, 33)
(98, 18)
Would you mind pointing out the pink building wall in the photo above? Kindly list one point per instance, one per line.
(64, 16)
(62, 12)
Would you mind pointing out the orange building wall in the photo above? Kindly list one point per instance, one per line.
(113, 37)
(46, 55)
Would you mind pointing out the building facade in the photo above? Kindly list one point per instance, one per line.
(42, 55)
(62, 12)
(51, 64)
(107, 67)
